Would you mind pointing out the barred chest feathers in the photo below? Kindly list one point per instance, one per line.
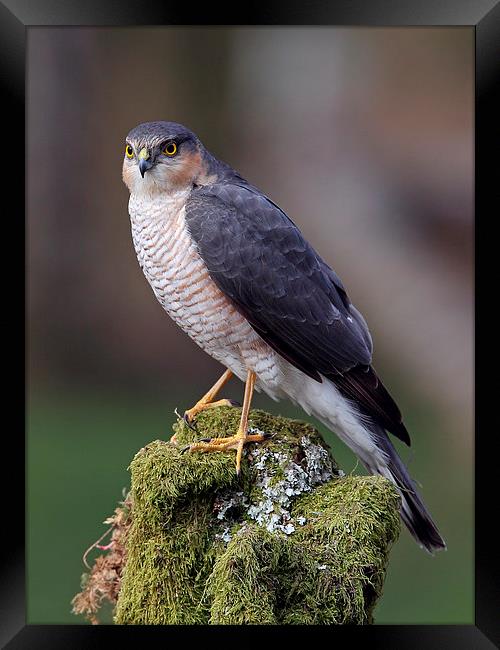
(182, 285)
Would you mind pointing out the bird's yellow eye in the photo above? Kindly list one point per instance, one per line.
(129, 152)
(170, 149)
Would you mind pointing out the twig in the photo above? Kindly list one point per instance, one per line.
(84, 558)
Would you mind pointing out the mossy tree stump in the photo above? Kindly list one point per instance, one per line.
(292, 540)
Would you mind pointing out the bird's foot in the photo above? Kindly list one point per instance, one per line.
(238, 441)
(202, 405)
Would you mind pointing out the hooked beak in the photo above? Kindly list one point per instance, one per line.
(144, 161)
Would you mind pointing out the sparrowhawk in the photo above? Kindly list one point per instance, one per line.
(235, 273)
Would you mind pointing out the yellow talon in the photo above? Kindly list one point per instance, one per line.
(200, 406)
(237, 442)
(242, 437)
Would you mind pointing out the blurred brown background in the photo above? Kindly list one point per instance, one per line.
(365, 138)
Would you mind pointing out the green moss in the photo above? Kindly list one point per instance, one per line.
(289, 542)
(170, 541)
(350, 528)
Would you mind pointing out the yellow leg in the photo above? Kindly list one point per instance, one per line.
(206, 402)
(241, 437)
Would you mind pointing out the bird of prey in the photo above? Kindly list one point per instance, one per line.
(235, 273)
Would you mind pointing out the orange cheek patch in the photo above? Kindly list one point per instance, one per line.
(187, 170)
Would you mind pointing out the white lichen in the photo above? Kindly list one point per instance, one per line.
(281, 479)
(225, 536)
(228, 500)
(319, 463)
(256, 430)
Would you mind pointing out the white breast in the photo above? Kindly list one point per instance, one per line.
(182, 285)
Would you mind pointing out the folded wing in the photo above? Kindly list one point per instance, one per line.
(290, 296)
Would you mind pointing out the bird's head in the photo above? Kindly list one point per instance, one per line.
(165, 157)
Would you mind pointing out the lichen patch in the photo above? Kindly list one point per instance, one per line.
(281, 477)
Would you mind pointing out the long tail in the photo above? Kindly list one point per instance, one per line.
(369, 441)
(413, 511)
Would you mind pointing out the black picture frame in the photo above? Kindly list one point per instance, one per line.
(16, 17)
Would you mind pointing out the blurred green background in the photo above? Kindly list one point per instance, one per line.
(365, 137)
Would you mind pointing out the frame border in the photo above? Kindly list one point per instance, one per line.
(16, 16)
